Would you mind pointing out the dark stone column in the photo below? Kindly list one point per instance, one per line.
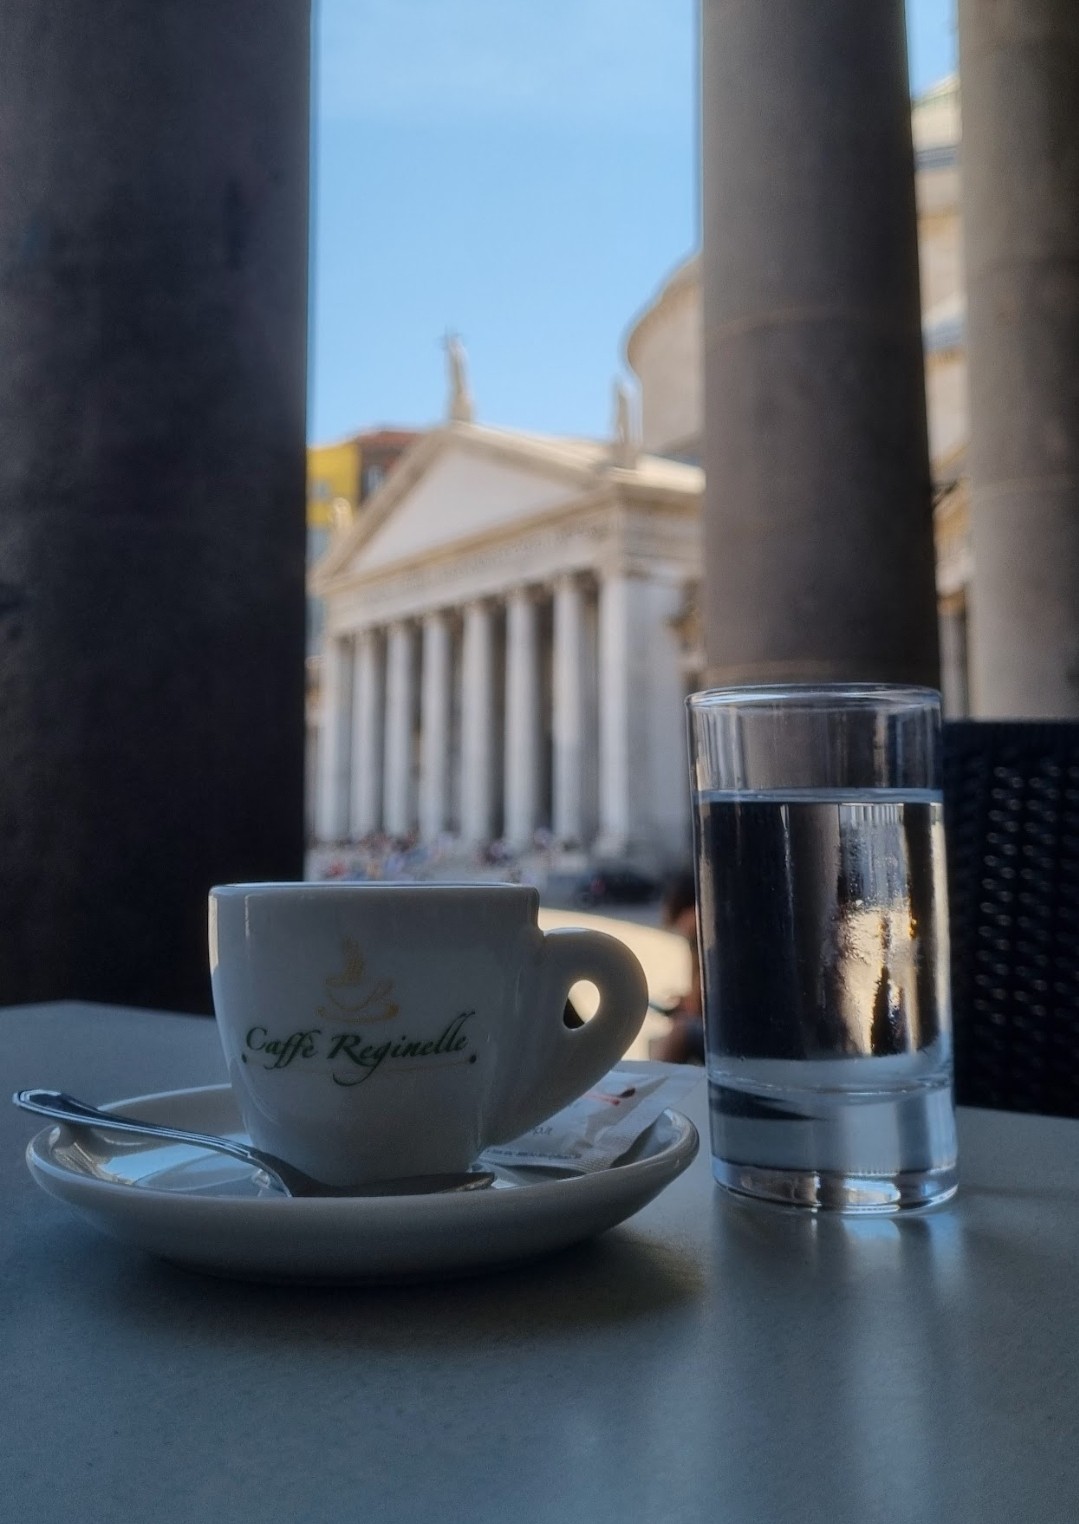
(1020, 75)
(153, 291)
(818, 523)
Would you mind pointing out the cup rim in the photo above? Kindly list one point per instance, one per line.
(817, 696)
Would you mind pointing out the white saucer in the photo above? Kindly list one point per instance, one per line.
(211, 1213)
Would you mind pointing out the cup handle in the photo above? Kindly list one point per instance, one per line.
(561, 1062)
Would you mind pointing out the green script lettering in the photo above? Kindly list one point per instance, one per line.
(369, 1056)
(283, 1050)
(453, 1039)
(354, 1046)
(362, 1054)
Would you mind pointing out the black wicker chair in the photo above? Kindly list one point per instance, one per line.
(1011, 799)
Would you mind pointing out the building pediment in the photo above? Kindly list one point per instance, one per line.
(455, 485)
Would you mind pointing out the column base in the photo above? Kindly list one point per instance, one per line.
(612, 844)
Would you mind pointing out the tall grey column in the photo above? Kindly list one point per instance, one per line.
(397, 813)
(615, 677)
(435, 696)
(367, 736)
(153, 309)
(477, 725)
(818, 529)
(1020, 74)
(568, 717)
(523, 736)
(335, 750)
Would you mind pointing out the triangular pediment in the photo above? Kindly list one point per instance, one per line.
(456, 485)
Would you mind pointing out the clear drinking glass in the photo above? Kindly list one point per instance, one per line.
(823, 919)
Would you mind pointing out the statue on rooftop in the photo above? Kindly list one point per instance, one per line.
(624, 447)
(460, 398)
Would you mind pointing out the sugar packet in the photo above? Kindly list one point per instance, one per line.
(600, 1126)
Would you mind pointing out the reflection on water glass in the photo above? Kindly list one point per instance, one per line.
(822, 910)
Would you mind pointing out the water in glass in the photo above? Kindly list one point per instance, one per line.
(823, 921)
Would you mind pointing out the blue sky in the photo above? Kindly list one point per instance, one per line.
(523, 173)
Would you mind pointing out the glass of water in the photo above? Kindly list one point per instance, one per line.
(823, 921)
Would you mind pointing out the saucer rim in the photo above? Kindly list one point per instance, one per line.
(361, 1241)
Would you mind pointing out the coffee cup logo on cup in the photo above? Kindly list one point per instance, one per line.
(373, 1031)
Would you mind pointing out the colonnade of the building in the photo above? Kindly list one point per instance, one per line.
(485, 721)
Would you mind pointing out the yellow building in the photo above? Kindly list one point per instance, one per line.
(342, 475)
(333, 483)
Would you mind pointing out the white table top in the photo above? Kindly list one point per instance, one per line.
(705, 1361)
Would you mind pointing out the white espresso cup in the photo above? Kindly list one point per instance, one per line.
(374, 1031)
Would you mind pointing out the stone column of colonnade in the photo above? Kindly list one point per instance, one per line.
(616, 825)
(477, 724)
(523, 738)
(435, 701)
(367, 735)
(819, 554)
(397, 816)
(568, 717)
(1020, 78)
(332, 815)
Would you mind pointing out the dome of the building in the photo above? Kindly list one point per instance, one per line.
(663, 349)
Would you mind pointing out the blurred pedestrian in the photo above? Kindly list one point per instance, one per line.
(684, 1042)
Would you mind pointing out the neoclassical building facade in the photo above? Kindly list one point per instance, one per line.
(502, 652)
(510, 622)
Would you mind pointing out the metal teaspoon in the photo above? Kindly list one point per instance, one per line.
(293, 1181)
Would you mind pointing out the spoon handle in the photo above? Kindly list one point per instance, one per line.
(65, 1108)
